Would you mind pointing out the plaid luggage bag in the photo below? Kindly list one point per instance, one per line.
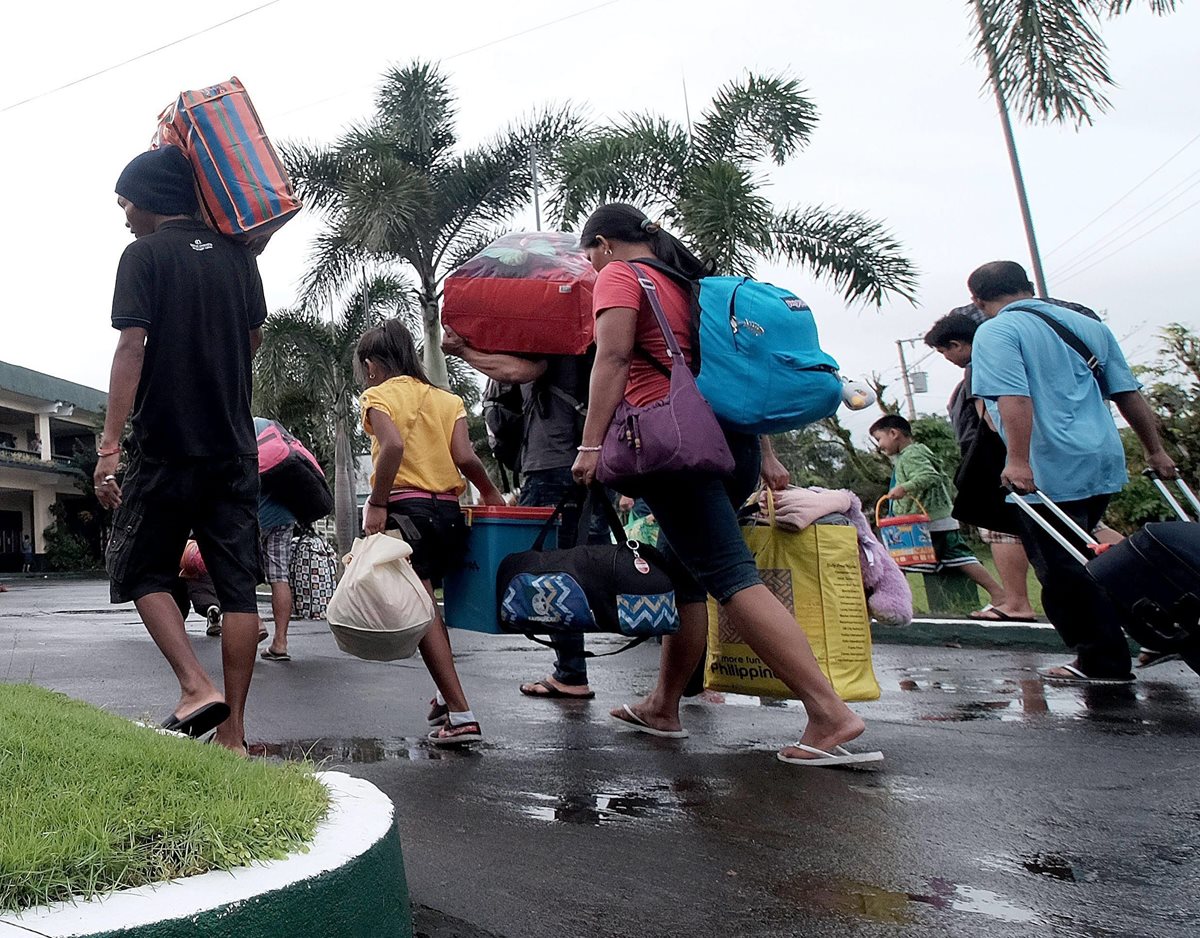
(312, 573)
(243, 188)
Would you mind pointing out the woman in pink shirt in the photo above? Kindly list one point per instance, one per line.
(696, 513)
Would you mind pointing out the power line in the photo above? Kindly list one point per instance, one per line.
(456, 55)
(1167, 199)
(111, 68)
(1130, 243)
(1146, 179)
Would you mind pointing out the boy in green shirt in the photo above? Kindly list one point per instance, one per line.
(920, 487)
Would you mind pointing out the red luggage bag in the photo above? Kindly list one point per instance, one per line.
(527, 292)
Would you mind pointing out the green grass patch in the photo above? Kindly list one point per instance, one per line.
(90, 802)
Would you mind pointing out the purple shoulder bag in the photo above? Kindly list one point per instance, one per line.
(677, 434)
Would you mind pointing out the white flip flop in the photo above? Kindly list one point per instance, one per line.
(1075, 676)
(636, 722)
(840, 756)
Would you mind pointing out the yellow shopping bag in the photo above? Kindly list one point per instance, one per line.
(816, 575)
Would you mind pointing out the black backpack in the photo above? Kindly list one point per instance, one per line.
(504, 418)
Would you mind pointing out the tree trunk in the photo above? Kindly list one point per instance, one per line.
(434, 358)
(345, 506)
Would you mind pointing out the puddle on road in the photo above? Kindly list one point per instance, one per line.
(594, 809)
(356, 750)
(851, 899)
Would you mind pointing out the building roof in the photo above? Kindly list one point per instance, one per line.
(30, 383)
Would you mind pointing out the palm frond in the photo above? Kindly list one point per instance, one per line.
(1049, 60)
(640, 159)
(723, 216)
(334, 265)
(860, 257)
(1157, 7)
(416, 107)
(315, 171)
(754, 118)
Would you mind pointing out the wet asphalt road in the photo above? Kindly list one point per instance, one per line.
(1004, 807)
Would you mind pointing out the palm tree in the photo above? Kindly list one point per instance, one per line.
(397, 192)
(1048, 59)
(708, 182)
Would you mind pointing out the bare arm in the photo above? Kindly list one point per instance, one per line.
(1016, 416)
(123, 382)
(774, 473)
(616, 331)
(508, 369)
(469, 464)
(387, 464)
(1140, 417)
(255, 341)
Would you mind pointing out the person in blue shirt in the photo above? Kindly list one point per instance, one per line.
(1055, 420)
(275, 529)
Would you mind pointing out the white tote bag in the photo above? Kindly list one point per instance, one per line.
(380, 610)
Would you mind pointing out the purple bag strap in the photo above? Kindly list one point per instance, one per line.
(651, 292)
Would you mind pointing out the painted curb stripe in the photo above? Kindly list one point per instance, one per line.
(360, 817)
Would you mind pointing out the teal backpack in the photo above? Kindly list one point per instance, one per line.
(758, 363)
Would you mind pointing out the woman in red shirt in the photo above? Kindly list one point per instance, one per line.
(696, 513)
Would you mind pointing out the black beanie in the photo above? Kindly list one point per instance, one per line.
(159, 181)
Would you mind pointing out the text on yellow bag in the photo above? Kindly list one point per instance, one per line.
(815, 574)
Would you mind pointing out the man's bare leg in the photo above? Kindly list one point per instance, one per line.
(239, 647)
(160, 614)
(281, 609)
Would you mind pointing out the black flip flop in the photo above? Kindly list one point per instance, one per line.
(199, 721)
(553, 693)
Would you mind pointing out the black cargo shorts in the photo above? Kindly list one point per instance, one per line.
(162, 501)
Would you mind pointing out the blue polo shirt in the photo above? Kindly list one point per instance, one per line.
(1075, 450)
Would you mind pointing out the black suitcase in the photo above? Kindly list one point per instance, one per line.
(1153, 576)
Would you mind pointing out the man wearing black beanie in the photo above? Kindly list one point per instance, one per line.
(189, 305)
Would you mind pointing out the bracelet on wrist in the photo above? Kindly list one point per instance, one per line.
(102, 453)
(375, 504)
(589, 449)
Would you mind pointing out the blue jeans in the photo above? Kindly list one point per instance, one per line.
(700, 532)
(545, 488)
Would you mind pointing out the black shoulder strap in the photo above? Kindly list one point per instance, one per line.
(1080, 347)
(632, 643)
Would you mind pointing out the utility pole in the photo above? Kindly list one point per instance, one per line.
(908, 391)
(533, 172)
(1039, 277)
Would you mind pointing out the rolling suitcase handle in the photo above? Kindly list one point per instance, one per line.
(1094, 546)
(1170, 497)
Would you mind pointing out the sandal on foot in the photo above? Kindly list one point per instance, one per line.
(439, 714)
(551, 692)
(267, 655)
(200, 721)
(629, 718)
(1075, 676)
(990, 613)
(449, 735)
(1148, 658)
(820, 758)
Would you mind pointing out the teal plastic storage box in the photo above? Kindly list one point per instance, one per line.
(469, 593)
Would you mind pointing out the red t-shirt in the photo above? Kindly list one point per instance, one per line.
(617, 287)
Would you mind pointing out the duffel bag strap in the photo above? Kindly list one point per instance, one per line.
(632, 643)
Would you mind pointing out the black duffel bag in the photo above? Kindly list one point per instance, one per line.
(623, 588)
(980, 499)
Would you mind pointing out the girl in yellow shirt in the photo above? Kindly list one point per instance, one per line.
(419, 452)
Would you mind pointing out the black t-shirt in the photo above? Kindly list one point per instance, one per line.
(198, 295)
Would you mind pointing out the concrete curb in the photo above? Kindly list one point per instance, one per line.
(349, 884)
(971, 633)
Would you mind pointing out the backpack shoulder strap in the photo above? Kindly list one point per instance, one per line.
(1073, 341)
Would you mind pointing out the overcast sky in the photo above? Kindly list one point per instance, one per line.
(905, 135)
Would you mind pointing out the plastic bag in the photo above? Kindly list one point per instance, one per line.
(815, 573)
(380, 610)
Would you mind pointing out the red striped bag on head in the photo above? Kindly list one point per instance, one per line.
(243, 188)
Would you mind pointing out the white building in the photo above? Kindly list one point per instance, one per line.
(43, 420)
